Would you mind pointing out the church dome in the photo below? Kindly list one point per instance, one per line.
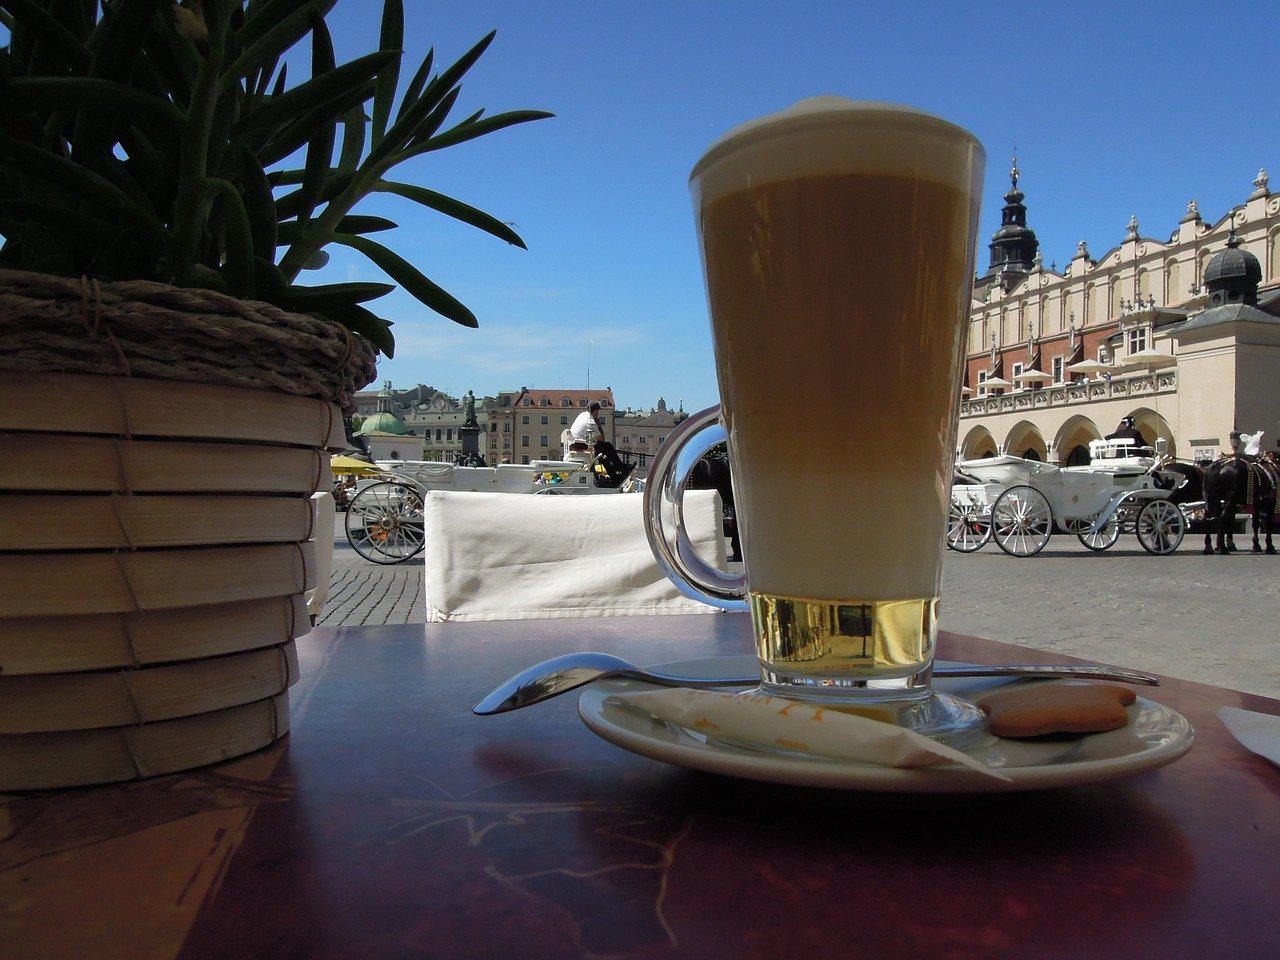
(382, 422)
(1233, 264)
(1233, 275)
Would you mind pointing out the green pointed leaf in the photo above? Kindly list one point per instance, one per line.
(52, 216)
(48, 30)
(320, 149)
(316, 92)
(391, 41)
(290, 230)
(289, 205)
(364, 322)
(41, 164)
(304, 129)
(262, 46)
(238, 265)
(81, 93)
(301, 297)
(414, 90)
(259, 203)
(410, 121)
(411, 279)
(470, 131)
(354, 123)
(434, 120)
(261, 17)
(452, 208)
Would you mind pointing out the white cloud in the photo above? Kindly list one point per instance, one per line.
(505, 347)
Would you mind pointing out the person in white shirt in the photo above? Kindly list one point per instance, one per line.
(585, 428)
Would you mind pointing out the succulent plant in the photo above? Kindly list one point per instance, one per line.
(142, 139)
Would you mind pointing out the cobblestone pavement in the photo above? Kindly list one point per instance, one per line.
(362, 592)
(1213, 619)
(1209, 618)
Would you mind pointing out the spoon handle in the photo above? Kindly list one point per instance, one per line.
(1046, 671)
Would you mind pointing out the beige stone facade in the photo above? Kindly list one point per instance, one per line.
(1143, 295)
(525, 425)
(641, 432)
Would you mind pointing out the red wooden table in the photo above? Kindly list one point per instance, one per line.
(392, 823)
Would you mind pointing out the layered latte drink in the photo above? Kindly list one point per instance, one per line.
(838, 242)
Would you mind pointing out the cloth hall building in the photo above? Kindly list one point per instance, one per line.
(1183, 335)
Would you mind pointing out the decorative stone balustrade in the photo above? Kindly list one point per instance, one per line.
(1067, 394)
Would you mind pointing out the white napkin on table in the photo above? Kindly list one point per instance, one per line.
(503, 556)
(800, 727)
(1260, 732)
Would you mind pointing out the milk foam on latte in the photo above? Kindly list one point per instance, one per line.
(838, 242)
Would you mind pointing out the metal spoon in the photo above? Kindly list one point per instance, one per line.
(559, 675)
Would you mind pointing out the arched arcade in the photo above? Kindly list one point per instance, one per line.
(978, 443)
(1024, 440)
(1071, 443)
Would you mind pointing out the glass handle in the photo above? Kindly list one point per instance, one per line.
(664, 523)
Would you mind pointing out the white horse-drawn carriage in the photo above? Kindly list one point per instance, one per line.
(1021, 503)
(384, 518)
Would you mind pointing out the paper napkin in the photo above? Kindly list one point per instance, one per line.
(757, 718)
(1260, 732)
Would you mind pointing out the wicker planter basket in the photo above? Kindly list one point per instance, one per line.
(160, 449)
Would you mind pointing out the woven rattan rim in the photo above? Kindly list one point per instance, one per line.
(51, 324)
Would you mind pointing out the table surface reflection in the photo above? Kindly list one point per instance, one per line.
(393, 823)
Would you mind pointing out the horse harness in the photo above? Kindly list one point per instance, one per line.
(1259, 470)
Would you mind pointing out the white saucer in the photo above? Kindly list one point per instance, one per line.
(1154, 737)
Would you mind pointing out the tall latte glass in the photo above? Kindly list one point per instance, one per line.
(837, 241)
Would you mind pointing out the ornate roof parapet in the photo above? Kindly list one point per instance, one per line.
(1131, 228)
(1193, 212)
(1261, 186)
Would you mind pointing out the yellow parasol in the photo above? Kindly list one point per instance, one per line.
(341, 464)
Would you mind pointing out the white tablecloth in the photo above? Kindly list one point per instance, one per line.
(498, 556)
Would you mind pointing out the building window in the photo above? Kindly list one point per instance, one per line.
(448, 434)
(644, 441)
(566, 402)
(982, 378)
(438, 433)
(662, 439)
(564, 421)
(1017, 369)
(395, 454)
(524, 441)
(582, 401)
(604, 401)
(525, 458)
(1059, 364)
(1137, 339)
(544, 440)
(626, 439)
(525, 421)
(506, 427)
(544, 421)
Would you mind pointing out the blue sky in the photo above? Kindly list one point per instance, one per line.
(1115, 110)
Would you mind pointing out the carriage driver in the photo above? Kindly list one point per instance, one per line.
(1128, 431)
(585, 426)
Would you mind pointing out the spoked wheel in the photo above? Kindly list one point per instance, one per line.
(384, 522)
(968, 528)
(1103, 539)
(1161, 527)
(1021, 521)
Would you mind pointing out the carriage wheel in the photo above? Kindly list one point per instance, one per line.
(1021, 521)
(384, 522)
(1161, 527)
(968, 529)
(1105, 538)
